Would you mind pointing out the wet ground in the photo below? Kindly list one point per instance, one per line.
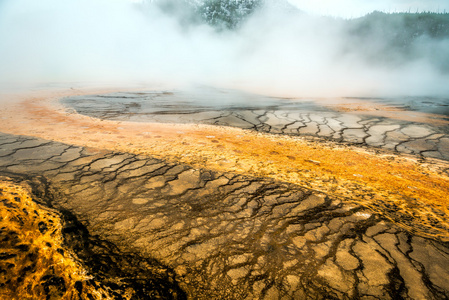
(324, 118)
(233, 235)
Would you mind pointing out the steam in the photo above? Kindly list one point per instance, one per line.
(274, 51)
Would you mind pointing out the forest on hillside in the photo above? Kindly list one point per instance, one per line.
(399, 37)
(378, 37)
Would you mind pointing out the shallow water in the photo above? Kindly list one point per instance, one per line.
(129, 105)
(182, 101)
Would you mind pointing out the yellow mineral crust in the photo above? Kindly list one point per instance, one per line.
(32, 248)
(33, 261)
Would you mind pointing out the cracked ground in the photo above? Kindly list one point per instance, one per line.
(284, 116)
(226, 232)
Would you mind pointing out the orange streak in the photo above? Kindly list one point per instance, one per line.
(375, 180)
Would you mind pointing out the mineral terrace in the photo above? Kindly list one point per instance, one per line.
(276, 201)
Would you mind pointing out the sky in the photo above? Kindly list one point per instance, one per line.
(358, 8)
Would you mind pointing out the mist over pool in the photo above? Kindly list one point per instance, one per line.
(267, 47)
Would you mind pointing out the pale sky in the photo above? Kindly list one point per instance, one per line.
(357, 8)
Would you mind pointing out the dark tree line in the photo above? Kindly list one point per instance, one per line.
(398, 37)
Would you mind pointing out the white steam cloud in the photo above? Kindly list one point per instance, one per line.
(274, 52)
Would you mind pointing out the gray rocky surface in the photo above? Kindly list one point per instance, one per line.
(272, 115)
(230, 236)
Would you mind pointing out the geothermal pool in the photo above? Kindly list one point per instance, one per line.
(214, 193)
